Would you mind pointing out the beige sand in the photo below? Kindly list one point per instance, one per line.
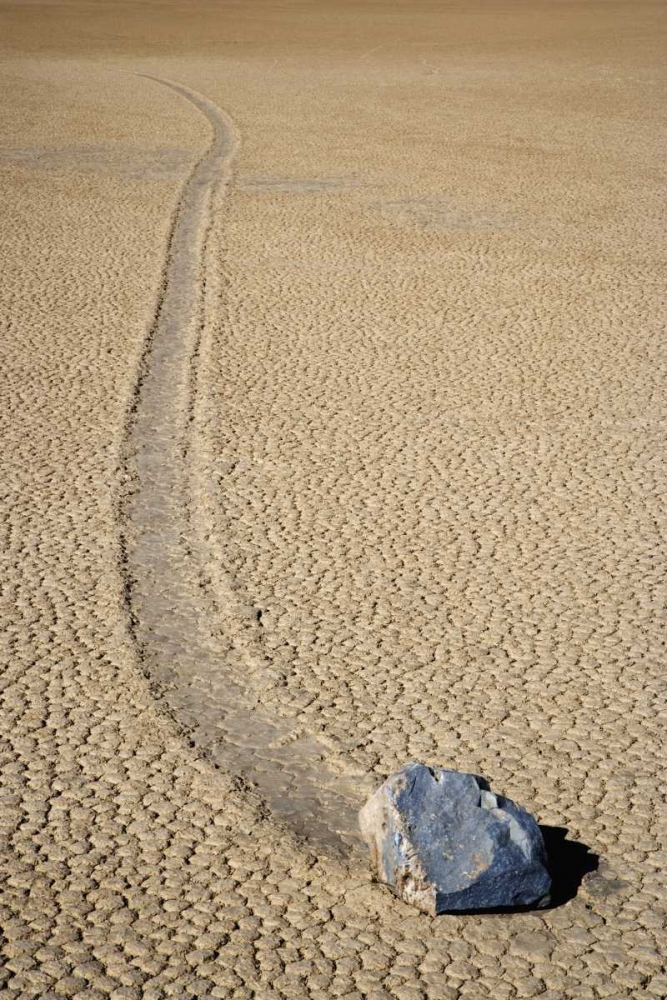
(332, 437)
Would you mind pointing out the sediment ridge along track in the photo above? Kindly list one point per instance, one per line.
(167, 554)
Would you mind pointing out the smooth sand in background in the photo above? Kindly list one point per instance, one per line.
(426, 461)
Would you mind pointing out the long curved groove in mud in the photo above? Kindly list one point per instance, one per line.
(169, 582)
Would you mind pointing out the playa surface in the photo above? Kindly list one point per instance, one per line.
(333, 419)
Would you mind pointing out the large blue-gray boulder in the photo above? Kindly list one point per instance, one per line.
(445, 843)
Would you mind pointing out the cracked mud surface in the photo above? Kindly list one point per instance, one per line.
(407, 430)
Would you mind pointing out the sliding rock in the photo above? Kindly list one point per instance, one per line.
(444, 842)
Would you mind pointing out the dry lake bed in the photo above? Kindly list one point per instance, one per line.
(333, 422)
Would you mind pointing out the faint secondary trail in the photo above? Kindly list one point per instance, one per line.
(168, 561)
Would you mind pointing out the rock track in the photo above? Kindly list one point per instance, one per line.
(171, 573)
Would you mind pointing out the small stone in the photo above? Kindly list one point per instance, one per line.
(445, 843)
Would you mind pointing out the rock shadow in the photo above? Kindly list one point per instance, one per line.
(569, 861)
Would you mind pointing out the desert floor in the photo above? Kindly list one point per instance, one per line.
(333, 421)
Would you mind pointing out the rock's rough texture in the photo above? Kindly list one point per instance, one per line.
(445, 842)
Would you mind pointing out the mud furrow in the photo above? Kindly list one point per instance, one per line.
(171, 571)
